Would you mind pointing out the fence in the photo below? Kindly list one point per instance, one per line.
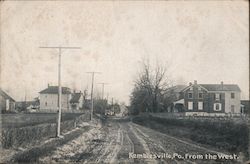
(234, 117)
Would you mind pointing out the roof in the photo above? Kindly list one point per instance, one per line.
(5, 95)
(54, 90)
(178, 88)
(75, 97)
(220, 87)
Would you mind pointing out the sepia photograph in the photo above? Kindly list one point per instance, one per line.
(122, 81)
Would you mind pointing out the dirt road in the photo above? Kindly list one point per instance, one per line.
(121, 141)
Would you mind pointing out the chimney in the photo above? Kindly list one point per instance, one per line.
(195, 82)
(190, 83)
(221, 85)
(48, 85)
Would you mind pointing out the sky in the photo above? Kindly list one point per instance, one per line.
(207, 41)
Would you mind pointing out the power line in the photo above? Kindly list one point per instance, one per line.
(103, 85)
(92, 90)
(59, 84)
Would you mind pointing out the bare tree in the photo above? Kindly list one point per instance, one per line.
(149, 88)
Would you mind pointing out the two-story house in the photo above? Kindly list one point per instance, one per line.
(207, 99)
(49, 99)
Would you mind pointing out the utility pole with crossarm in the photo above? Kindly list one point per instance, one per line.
(59, 85)
(103, 85)
(92, 90)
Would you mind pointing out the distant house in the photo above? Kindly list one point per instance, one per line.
(76, 101)
(174, 96)
(27, 105)
(203, 99)
(49, 99)
(7, 103)
(245, 106)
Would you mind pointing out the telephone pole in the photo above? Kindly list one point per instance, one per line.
(59, 85)
(92, 90)
(103, 84)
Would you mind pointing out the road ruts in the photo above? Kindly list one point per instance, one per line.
(105, 150)
(168, 144)
(127, 147)
(116, 139)
(138, 145)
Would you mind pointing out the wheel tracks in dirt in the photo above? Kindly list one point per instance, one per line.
(111, 148)
(189, 145)
(155, 148)
(127, 147)
(110, 153)
(140, 146)
(182, 141)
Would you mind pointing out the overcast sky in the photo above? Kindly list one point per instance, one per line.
(205, 41)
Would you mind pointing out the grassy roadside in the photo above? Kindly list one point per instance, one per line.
(31, 155)
(225, 136)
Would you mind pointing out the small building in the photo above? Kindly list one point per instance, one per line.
(76, 102)
(49, 99)
(211, 99)
(245, 107)
(7, 103)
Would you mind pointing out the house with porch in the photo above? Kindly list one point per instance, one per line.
(210, 99)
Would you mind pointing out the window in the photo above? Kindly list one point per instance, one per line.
(232, 95)
(200, 95)
(200, 105)
(217, 96)
(190, 95)
(190, 105)
(232, 108)
(45, 103)
(217, 106)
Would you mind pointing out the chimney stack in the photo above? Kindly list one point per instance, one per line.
(48, 85)
(195, 82)
(190, 83)
(221, 85)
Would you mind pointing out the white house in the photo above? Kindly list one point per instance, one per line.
(76, 102)
(49, 99)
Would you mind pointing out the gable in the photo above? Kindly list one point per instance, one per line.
(197, 85)
(5, 95)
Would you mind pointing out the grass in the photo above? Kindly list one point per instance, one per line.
(31, 155)
(31, 119)
(224, 135)
(16, 135)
